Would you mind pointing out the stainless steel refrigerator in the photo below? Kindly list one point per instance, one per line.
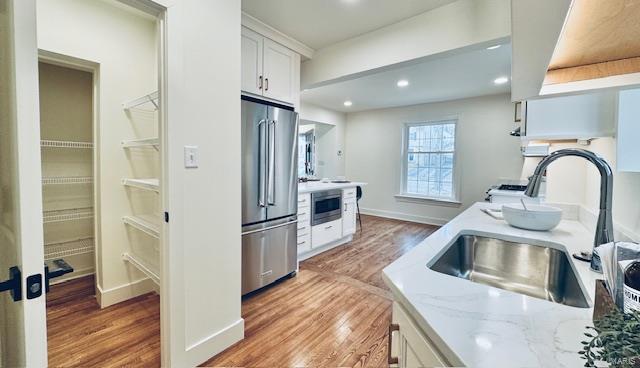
(269, 192)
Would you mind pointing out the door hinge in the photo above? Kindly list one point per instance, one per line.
(166, 217)
(13, 284)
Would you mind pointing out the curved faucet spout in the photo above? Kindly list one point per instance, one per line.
(604, 229)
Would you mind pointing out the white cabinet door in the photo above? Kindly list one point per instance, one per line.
(251, 64)
(571, 117)
(326, 233)
(349, 217)
(413, 348)
(279, 71)
(628, 135)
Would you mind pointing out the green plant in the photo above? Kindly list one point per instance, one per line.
(615, 339)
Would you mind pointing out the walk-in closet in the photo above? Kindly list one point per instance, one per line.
(101, 158)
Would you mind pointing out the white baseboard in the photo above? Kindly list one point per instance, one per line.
(404, 216)
(212, 345)
(124, 292)
(324, 248)
(76, 274)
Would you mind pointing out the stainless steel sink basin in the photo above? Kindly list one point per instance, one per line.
(528, 269)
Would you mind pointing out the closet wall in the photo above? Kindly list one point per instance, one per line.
(122, 42)
(66, 132)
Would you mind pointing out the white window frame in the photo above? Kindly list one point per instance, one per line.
(413, 197)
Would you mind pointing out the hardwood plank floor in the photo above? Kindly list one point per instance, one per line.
(335, 312)
(80, 334)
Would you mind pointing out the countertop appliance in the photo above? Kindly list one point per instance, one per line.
(510, 193)
(269, 192)
(326, 206)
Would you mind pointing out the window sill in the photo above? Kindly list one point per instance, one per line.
(413, 198)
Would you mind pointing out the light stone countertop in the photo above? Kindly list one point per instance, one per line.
(316, 186)
(482, 326)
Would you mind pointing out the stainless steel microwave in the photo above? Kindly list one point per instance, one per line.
(326, 206)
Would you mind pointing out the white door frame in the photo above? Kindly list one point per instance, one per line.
(71, 62)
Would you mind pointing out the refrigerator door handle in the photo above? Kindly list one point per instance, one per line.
(269, 228)
(262, 158)
(271, 177)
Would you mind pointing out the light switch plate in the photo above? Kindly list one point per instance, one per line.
(190, 157)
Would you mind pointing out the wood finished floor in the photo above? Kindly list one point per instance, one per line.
(334, 313)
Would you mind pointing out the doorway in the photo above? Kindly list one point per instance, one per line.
(101, 157)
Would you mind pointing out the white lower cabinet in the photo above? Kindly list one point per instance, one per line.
(409, 347)
(326, 233)
(304, 223)
(349, 216)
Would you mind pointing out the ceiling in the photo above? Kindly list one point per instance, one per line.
(319, 23)
(464, 75)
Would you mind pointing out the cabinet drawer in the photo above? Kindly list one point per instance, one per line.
(304, 214)
(326, 233)
(349, 193)
(304, 228)
(304, 200)
(304, 243)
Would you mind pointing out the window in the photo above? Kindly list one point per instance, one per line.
(429, 157)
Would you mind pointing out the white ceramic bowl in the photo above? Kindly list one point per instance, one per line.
(536, 217)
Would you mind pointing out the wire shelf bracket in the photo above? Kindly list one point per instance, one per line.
(68, 248)
(67, 215)
(150, 98)
(142, 266)
(64, 180)
(142, 225)
(144, 184)
(142, 143)
(66, 144)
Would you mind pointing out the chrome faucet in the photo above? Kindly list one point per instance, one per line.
(604, 228)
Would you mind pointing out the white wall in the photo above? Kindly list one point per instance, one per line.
(486, 154)
(201, 295)
(454, 26)
(577, 181)
(330, 138)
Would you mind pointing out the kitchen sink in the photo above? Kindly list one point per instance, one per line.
(534, 270)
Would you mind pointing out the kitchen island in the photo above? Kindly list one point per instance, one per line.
(338, 229)
(452, 321)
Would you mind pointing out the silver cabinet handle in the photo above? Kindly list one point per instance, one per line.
(328, 227)
(271, 177)
(345, 207)
(302, 242)
(302, 228)
(262, 157)
(302, 200)
(392, 328)
(266, 84)
(260, 82)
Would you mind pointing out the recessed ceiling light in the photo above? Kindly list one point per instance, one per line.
(493, 47)
(348, 103)
(403, 83)
(501, 80)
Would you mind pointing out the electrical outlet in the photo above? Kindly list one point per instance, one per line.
(190, 157)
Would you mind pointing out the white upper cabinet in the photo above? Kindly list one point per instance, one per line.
(628, 131)
(269, 69)
(279, 71)
(251, 72)
(570, 117)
